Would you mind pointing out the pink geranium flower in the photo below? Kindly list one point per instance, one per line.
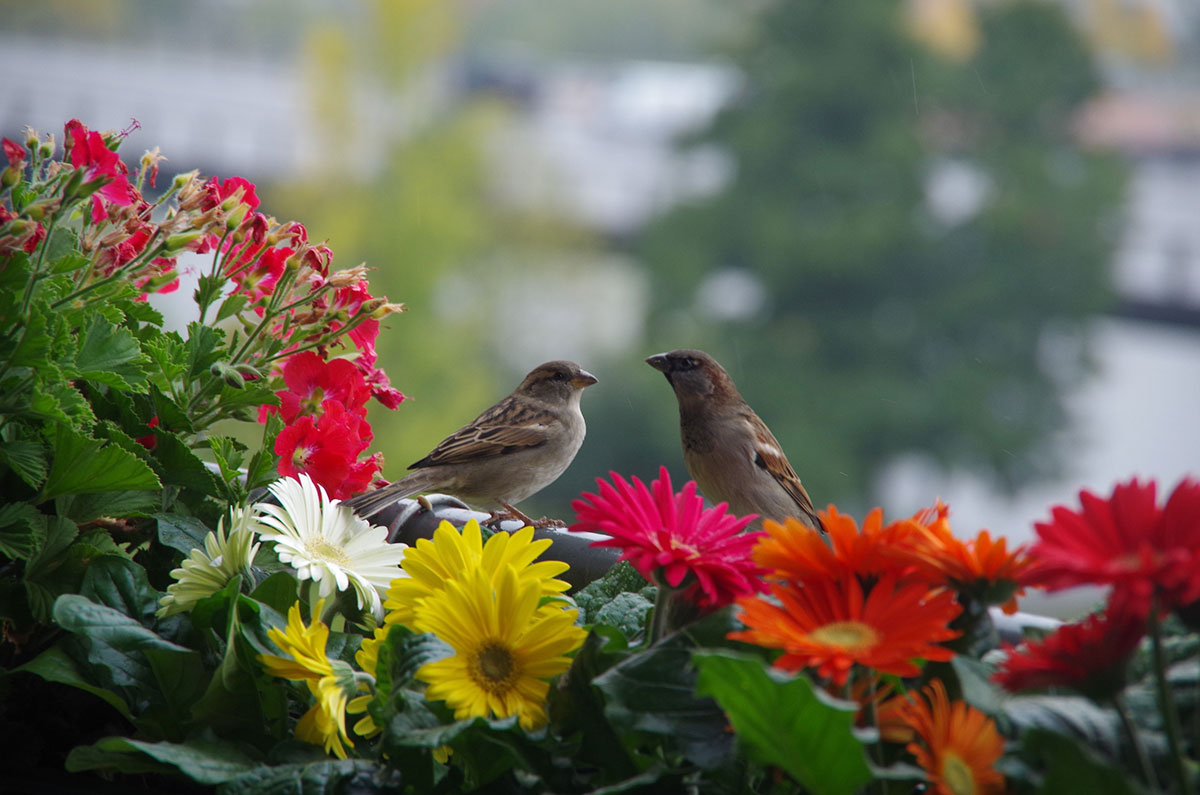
(327, 449)
(89, 152)
(311, 382)
(672, 539)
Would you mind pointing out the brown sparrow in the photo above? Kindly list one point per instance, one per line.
(509, 452)
(728, 450)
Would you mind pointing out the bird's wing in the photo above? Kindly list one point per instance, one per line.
(507, 427)
(769, 456)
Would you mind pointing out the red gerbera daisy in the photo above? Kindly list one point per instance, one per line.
(1090, 657)
(1126, 541)
(958, 745)
(672, 539)
(830, 625)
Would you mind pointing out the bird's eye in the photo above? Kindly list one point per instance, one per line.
(689, 363)
(560, 376)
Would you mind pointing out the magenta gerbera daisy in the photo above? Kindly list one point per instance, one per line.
(672, 539)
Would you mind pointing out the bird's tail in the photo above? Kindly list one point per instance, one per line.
(372, 502)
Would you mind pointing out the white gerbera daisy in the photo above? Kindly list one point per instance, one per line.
(206, 571)
(326, 542)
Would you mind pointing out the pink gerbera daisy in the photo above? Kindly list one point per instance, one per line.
(672, 539)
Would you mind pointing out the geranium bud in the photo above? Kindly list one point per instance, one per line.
(248, 371)
(10, 177)
(235, 218)
(38, 210)
(181, 240)
(31, 139)
(47, 148)
(227, 374)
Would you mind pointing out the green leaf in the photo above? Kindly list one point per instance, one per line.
(51, 572)
(232, 305)
(179, 466)
(55, 665)
(786, 722)
(22, 530)
(1070, 715)
(229, 455)
(83, 508)
(329, 776)
(208, 762)
(183, 533)
(113, 760)
(654, 691)
(84, 466)
(167, 355)
(201, 349)
(110, 354)
(278, 591)
(60, 402)
(27, 458)
(33, 345)
(121, 584)
(100, 623)
(1073, 768)
(69, 262)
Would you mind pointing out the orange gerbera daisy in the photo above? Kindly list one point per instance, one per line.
(796, 552)
(830, 625)
(957, 744)
(982, 568)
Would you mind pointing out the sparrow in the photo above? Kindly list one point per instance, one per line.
(730, 452)
(506, 454)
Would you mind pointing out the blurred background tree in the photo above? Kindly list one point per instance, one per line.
(907, 258)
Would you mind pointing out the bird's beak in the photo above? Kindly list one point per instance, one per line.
(659, 362)
(584, 379)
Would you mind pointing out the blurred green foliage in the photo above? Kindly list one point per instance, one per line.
(885, 331)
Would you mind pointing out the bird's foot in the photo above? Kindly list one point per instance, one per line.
(546, 521)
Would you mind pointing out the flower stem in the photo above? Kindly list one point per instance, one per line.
(1166, 703)
(662, 607)
(1135, 739)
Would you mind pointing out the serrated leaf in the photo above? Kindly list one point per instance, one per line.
(110, 354)
(179, 466)
(83, 508)
(33, 345)
(787, 722)
(50, 571)
(61, 403)
(228, 454)
(142, 312)
(69, 262)
(22, 530)
(27, 458)
(201, 349)
(85, 466)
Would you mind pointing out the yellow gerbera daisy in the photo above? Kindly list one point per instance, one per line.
(505, 647)
(305, 644)
(325, 723)
(453, 554)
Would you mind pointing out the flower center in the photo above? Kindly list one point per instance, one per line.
(846, 635)
(322, 549)
(493, 667)
(957, 775)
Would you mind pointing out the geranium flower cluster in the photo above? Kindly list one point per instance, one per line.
(284, 312)
(325, 407)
